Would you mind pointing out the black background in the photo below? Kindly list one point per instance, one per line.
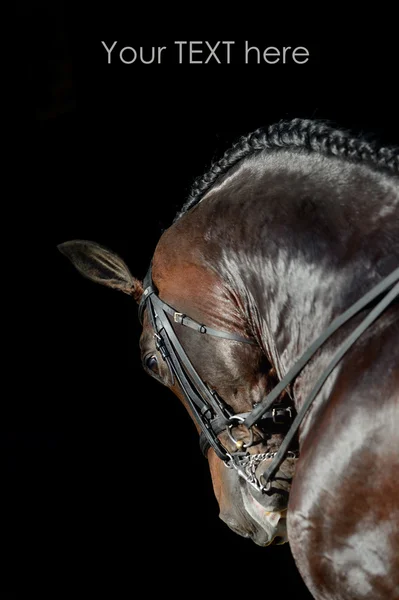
(103, 479)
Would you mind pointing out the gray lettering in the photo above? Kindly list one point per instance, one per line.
(109, 50)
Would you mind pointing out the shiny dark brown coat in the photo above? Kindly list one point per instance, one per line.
(279, 247)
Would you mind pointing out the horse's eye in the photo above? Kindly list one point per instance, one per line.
(152, 363)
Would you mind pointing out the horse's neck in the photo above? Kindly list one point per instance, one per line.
(291, 302)
(304, 254)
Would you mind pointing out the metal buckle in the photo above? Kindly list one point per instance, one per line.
(274, 414)
(178, 317)
(281, 410)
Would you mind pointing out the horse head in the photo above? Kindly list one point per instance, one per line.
(238, 371)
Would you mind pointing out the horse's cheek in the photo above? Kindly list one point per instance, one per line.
(215, 466)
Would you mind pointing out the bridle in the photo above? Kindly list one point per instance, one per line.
(213, 414)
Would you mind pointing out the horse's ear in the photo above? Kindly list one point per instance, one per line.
(102, 266)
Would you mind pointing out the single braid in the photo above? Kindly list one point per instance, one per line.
(305, 134)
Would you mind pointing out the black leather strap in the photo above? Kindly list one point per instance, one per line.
(186, 321)
(336, 324)
(204, 403)
(218, 425)
(183, 319)
(371, 317)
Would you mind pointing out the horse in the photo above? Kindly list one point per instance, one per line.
(293, 232)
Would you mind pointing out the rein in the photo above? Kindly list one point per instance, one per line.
(210, 411)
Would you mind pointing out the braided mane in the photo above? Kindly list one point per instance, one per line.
(300, 134)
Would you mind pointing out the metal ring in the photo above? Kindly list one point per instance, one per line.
(265, 487)
(233, 439)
